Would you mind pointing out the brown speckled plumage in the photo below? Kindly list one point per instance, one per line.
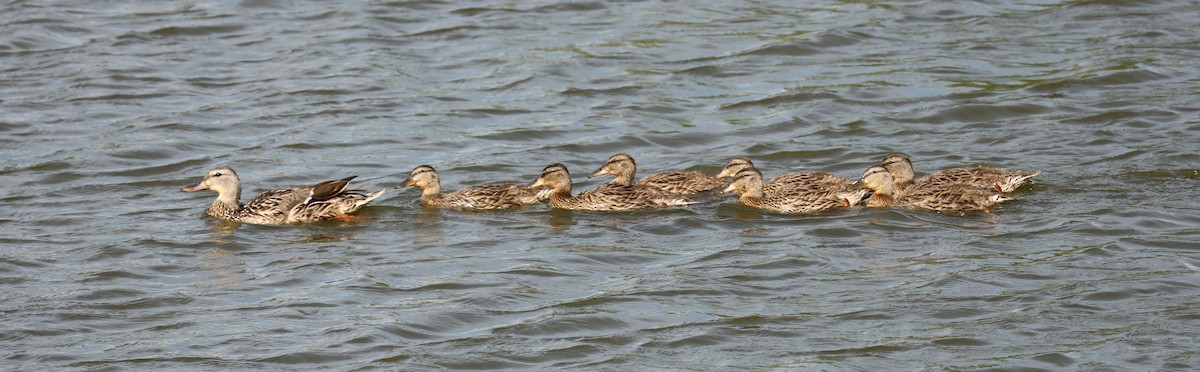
(787, 180)
(316, 202)
(792, 198)
(944, 198)
(481, 197)
(999, 179)
(676, 182)
(607, 197)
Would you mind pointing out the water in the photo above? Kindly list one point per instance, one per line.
(108, 108)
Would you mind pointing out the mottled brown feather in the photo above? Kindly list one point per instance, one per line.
(959, 198)
(606, 197)
(792, 198)
(787, 180)
(316, 202)
(624, 168)
(480, 197)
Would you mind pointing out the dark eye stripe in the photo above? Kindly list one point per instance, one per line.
(874, 171)
(618, 160)
(745, 173)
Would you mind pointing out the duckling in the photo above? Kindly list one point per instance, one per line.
(952, 197)
(792, 198)
(676, 182)
(786, 180)
(609, 197)
(482, 197)
(1001, 180)
(317, 202)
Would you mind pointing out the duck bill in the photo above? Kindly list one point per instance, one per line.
(728, 189)
(195, 187)
(537, 183)
(407, 183)
(599, 172)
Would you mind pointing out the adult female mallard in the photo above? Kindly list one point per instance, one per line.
(676, 182)
(792, 198)
(482, 197)
(943, 198)
(787, 180)
(1001, 180)
(609, 197)
(316, 202)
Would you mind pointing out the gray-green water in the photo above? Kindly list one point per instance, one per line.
(107, 108)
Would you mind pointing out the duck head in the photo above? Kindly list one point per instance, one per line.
(620, 165)
(221, 179)
(555, 177)
(900, 167)
(734, 166)
(423, 177)
(747, 181)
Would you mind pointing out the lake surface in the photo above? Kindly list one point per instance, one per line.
(107, 108)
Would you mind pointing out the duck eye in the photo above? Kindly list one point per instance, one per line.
(218, 174)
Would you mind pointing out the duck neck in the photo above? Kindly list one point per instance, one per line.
(432, 192)
(753, 192)
(751, 199)
(431, 199)
(880, 200)
(624, 177)
(559, 193)
(232, 197)
(882, 196)
(753, 196)
(224, 208)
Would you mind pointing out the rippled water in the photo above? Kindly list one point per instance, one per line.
(107, 108)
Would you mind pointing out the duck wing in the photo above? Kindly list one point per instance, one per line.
(272, 206)
(999, 179)
(491, 196)
(682, 183)
(805, 180)
(953, 198)
(346, 202)
(613, 197)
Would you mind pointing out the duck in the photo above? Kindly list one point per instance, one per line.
(624, 168)
(786, 180)
(999, 179)
(317, 202)
(482, 197)
(961, 198)
(792, 198)
(608, 197)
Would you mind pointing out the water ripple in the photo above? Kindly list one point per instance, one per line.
(108, 110)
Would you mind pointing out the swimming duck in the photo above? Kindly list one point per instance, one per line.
(608, 197)
(792, 198)
(316, 202)
(947, 197)
(786, 180)
(676, 182)
(482, 197)
(1001, 180)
